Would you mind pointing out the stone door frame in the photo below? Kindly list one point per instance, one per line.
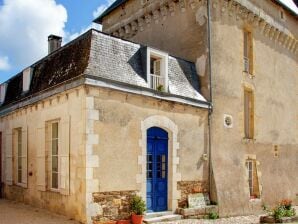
(173, 158)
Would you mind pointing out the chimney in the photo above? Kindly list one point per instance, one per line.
(54, 43)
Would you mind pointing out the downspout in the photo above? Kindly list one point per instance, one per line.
(210, 90)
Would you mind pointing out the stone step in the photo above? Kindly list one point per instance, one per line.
(157, 214)
(164, 218)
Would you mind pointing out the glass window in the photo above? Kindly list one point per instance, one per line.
(55, 156)
(20, 154)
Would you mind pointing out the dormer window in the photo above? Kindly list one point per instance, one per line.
(157, 70)
(27, 75)
(3, 88)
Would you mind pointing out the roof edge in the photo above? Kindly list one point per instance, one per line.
(118, 3)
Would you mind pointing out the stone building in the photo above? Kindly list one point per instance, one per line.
(76, 125)
(245, 53)
(175, 97)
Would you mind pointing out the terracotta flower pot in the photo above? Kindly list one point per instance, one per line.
(137, 219)
(123, 222)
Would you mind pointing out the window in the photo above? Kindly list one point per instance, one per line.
(157, 81)
(19, 154)
(157, 71)
(252, 179)
(248, 52)
(54, 155)
(19, 159)
(248, 113)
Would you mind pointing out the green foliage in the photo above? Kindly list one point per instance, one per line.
(290, 212)
(284, 209)
(279, 212)
(213, 215)
(137, 205)
(160, 88)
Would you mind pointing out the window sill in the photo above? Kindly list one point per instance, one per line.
(251, 76)
(21, 185)
(248, 140)
(255, 200)
(54, 190)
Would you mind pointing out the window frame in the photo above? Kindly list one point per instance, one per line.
(51, 139)
(253, 179)
(19, 156)
(163, 57)
(249, 104)
(248, 52)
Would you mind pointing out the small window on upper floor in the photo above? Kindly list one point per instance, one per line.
(157, 71)
(248, 52)
(248, 113)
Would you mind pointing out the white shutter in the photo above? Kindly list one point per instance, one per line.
(63, 151)
(24, 156)
(157, 66)
(8, 159)
(41, 159)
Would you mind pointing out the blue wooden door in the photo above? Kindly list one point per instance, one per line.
(157, 170)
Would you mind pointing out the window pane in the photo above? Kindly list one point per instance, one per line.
(20, 176)
(54, 180)
(55, 163)
(54, 130)
(20, 162)
(55, 147)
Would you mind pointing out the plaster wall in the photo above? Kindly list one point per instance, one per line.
(183, 33)
(122, 124)
(274, 83)
(69, 104)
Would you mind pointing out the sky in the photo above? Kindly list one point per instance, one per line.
(26, 24)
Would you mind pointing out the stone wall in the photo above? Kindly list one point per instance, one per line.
(114, 205)
(190, 187)
(34, 117)
(121, 127)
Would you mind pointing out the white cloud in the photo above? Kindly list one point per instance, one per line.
(25, 26)
(100, 9)
(4, 63)
(71, 36)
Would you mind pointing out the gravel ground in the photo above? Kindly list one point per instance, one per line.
(252, 219)
(16, 213)
(234, 220)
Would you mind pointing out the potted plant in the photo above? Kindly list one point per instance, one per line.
(137, 207)
(160, 88)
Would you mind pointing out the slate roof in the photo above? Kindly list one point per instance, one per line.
(96, 55)
(118, 3)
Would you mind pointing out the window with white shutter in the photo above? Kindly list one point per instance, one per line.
(41, 159)
(57, 133)
(8, 158)
(20, 156)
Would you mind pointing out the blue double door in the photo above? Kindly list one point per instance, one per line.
(157, 170)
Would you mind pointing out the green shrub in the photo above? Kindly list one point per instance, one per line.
(213, 215)
(290, 212)
(279, 212)
(137, 205)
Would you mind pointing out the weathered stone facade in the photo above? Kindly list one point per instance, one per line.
(114, 205)
(273, 83)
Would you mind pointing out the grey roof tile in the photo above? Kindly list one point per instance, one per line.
(99, 55)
